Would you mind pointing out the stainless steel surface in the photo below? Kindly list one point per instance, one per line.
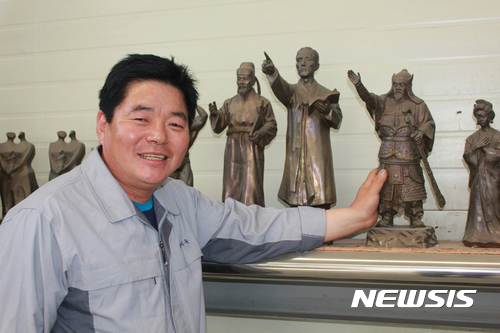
(322, 284)
(366, 267)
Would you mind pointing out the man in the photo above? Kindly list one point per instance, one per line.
(308, 174)
(398, 154)
(115, 246)
(251, 126)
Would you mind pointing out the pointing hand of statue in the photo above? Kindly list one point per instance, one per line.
(268, 66)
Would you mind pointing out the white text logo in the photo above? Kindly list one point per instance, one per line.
(413, 298)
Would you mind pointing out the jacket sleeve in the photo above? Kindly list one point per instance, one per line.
(35, 285)
(242, 234)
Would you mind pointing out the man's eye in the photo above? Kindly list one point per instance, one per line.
(176, 125)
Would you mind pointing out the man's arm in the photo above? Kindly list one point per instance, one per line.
(361, 214)
(33, 283)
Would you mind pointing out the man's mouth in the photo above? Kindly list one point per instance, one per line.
(153, 157)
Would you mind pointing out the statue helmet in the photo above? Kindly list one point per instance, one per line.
(248, 68)
(408, 79)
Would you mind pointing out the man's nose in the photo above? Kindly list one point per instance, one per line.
(158, 134)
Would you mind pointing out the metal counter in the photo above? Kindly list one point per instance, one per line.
(322, 284)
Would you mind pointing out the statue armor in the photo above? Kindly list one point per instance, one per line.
(399, 155)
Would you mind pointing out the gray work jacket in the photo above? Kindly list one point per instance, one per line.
(77, 255)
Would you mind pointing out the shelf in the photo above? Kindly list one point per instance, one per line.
(320, 284)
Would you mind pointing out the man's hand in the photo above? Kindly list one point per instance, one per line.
(268, 66)
(355, 78)
(212, 107)
(361, 214)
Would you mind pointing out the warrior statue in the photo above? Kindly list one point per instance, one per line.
(399, 154)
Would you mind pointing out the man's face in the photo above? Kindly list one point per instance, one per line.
(399, 88)
(306, 63)
(147, 138)
(245, 83)
(482, 117)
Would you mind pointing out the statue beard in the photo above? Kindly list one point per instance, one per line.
(398, 96)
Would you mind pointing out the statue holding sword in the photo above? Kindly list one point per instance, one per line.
(406, 128)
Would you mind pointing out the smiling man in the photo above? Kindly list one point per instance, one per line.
(116, 246)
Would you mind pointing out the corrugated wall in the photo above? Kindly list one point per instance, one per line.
(55, 54)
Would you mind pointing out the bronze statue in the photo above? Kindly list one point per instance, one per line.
(308, 178)
(63, 156)
(403, 123)
(482, 155)
(23, 176)
(57, 156)
(251, 126)
(184, 171)
(18, 177)
(7, 162)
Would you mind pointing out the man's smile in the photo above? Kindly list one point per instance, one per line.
(153, 157)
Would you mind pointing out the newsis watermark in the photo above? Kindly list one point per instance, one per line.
(413, 298)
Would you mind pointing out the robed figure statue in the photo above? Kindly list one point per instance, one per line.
(482, 155)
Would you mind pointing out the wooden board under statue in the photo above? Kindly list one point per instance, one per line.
(406, 129)
(482, 155)
(308, 176)
(251, 125)
(17, 177)
(65, 156)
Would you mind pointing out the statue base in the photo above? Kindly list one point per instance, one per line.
(402, 237)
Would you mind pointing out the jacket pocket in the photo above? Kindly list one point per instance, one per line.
(105, 277)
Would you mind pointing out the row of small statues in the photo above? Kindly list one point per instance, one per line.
(17, 177)
(402, 121)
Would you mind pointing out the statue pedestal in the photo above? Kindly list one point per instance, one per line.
(401, 236)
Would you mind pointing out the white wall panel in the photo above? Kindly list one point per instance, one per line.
(55, 55)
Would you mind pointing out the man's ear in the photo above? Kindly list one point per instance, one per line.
(317, 67)
(101, 125)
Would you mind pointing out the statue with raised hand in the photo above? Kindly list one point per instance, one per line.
(401, 135)
(250, 123)
(184, 171)
(308, 178)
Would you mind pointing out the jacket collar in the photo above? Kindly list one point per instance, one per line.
(111, 197)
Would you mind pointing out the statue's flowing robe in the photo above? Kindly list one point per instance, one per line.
(243, 177)
(483, 219)
(308, 178)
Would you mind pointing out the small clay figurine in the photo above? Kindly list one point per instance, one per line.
(76, 152)
(406, 128)
(308, 178)
(251, 126)
(482, 155)
(184, 171)
(57, 156)
(65, 156)
(7, 161)
(23, 176)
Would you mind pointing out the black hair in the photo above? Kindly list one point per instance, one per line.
(143, 67)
